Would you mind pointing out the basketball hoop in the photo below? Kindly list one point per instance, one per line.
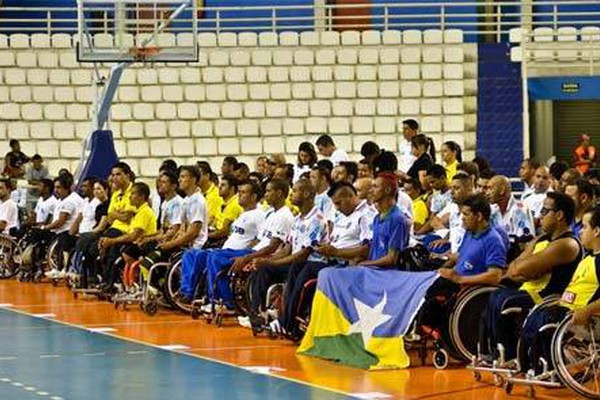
(141, 54)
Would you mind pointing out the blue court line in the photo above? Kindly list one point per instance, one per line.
(72, 363)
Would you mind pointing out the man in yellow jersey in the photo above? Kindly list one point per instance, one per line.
(230, 210)
(582, 297)
(214, 202)
(544, 268)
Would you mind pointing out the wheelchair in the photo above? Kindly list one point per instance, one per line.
(173, 283)
(37, 257)
(10, 257)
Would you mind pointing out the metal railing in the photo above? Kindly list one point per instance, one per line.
(489, 21)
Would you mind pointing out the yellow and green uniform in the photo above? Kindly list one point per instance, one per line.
(584, 287)
(420, 211)
(214, 202)
(555, 281)
(230, 210)
(144, 219)
(121, 201)
(451, 170)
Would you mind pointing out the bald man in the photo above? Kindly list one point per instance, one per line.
(516, 216)
(363, 188)
(541, 186)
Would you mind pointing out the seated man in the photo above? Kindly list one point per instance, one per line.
(581, 297)
(350, 238)
(230, 210)
(543, 269)
(9, 212)
(308, 229)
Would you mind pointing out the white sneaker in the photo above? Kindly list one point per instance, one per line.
(52, 274)
(245, 322)
(207, 309)
(62, 274)
(272, 314)
(275, 327)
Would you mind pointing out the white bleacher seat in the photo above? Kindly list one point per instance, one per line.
(155, 129)
(40, 41)
(77, 112)
(256, 74)
(368, 56)
(431, 124)
(409, 107)
(367, 90)
(277, 144)
(387, 72)
(70, 149)
(149, 94)
(454, 54)
(41, 130)
(237, 92)
(270, 127)
(173, 93)
(202, 129)
(63, 130)
(385, 125)
(343, 73)
(235, 75)
(269, 39)
(391, 37)
(227, 39)
(53, 112)
(262, 57)
(81, 77)
(320, 108)
(302, 91)
(160, 148)
(49, 148)
(149, 166)
(7, 59)
(433, 89)
(431, 106)
(315, 126)
(254, 109)
(366, 73)
(289, 38)
(433, 36)
(371, 37)
(387, 107)
(364, 107)
(292, 126)
(207, 39)
(410, 89)
(322, 74)
(20, 94)
(206, 147)
(454, 123)
(189, 75)
(194, 93)
(431, 71)
(37, 77)
(259, 91)
(453, 36)
(240, 58)
(218, 58)
(164, 111)
(225, 128)
(389, 89)
(309, 38)
(183, 39)
(566, 36)
(147, 76)
(104, 40)
(454, 88)
(389, 56)
(212, 75)
(3, 41)
(251, 146)
(137, 148)
(143, 38)
(145, 112)
(304, 57)
(516, 54)
(362, 125)
(590, 36)
(248, 39)
(216, 92)
(412, 36)
(432, 54)
(410, 72)
(4, 94)
(543, 37)
(410, 55)
(19, 41)
(187, 111)
(15, 76)
(339, 126)
(132, 129)
(247, 127)
(329, 38)
(453, 71)
(58, 77)
(283, 57)
(345, 90)
(325, 57)
(350, 38)
(347, 56)
(179, 128)
(27, 59)
(515, 35)
(281, 91)
(276, 109)
(324, 90)
(231, 110)
(341, 108)
(43, 94)
(61, 41)
(453, 106)
(128, 77)
(19, 130)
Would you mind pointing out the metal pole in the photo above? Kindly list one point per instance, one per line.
(524, 72)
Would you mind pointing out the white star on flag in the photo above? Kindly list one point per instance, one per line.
(369, 318)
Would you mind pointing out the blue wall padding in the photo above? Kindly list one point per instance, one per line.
(102, 157)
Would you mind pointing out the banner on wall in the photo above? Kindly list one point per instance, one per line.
(564, 88)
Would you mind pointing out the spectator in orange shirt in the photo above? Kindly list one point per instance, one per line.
(585, 155)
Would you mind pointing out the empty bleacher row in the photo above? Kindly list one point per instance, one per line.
(249, 94)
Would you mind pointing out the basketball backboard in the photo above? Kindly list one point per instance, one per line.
(137, 30)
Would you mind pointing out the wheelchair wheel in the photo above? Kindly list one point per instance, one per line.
(240, 285)
(53, 256)
(576, 356)
(465, 318)
(173, 283)
(440, 359)
(10, 257)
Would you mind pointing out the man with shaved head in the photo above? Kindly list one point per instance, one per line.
(363, 188)
(541, 186)
(517, 219)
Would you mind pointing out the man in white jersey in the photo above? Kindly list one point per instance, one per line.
(44, 208)
(349, 243)
(410, 128)
(309, 228)
(535, 199)
(86, 216)
(327, 148)
(320, 179)
(9, 212)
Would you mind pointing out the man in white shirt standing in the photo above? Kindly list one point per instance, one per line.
(327, 148)
(410, 128)
(9, 212)
(535, 199)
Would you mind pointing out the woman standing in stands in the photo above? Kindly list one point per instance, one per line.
(424, 150)
(584, 154)
(451, 156)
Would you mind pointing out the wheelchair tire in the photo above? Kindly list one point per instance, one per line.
(172, 290)
(10, 257)
(441, 359)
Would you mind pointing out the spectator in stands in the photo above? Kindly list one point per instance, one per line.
(419, 203)
(527, 173)
(451, 156)
(230, 210)
(345, 171)
(369, 150)
(34, 174)
(241, 172)
(327, 148)
(363, 189)
(470, 168)
(307, 158)
(584, 155)
(214, 202)
(262, 165)
(583, 194)
(541, 185)
(15, 160)
(228, 165)
(9, 213)
(557, 169)
(423, 149)
(321, 180)
(569, 177)
(365, 169)
(410, 129)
